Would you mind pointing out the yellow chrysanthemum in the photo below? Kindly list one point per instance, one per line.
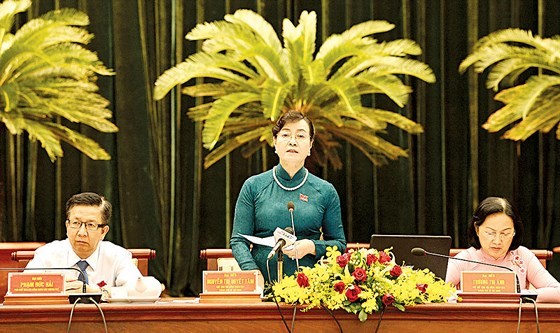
(359, 282)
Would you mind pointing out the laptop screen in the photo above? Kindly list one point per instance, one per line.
(403, 244)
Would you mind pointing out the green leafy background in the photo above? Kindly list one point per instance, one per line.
(166, 200)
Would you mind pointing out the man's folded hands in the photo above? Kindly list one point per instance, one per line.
(76, 286)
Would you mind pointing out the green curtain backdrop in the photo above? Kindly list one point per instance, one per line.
(165, 200)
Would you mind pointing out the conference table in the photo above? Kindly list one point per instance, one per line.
(185, 315)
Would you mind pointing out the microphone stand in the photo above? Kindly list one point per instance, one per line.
(280, 265)
(291, 210)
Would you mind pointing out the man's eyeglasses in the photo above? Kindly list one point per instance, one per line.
(90, 226)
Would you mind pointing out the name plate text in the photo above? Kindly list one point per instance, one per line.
(229, 282)
(488, 282)
(35, 283)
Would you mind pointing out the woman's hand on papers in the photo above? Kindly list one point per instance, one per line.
(299, 249)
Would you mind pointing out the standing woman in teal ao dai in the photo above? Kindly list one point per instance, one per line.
(262, 205)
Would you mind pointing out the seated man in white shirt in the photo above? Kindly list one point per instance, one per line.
(106, 264)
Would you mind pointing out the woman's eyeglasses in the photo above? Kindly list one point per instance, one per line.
(299, 137)
(502, 235)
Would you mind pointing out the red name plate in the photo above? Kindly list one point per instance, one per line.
(35, 283)
(229, 282)
(488, 282)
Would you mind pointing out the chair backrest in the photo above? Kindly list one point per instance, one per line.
(141, 256)
(212, 255)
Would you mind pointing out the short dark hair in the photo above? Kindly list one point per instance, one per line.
(90, 199)
(291, 117)
(487, 207)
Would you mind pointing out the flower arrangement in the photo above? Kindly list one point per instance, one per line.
(363, 281)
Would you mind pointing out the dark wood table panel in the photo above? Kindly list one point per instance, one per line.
(177, 317)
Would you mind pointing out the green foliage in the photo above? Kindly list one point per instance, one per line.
(528, 107)
(253, 78)
(45, 74)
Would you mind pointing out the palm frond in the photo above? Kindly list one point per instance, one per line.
(389, 85)
(308, 23)
(81, 142)
(394, 119)
(493, 54)
(258, 80)
(347, 93)
(509, 53)
(244, 43)
(367, 28)
(544, 116)
(340, 50)
(520, 36)
(519, 102)
(273, 98)
(50, 134)
(399, 48)
(376, 149)
(388, 64)
(233, 144)
(45, 72)
(220, 112)
(507, 70)
(185, 71)
(8, 10)
(210, 89)
(353, 35)
(525, 95)
(258, 25)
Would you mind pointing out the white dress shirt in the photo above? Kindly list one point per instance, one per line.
(109, 263)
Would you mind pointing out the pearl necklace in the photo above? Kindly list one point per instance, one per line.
(289, 188)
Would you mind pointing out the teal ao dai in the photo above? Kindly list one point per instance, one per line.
(262, 207)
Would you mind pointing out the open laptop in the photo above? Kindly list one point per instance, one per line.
(403, 244)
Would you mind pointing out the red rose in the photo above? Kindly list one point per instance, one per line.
(352, 293)
(388, 299)
(422, 287)
(302, 280)
(384, 257)
(396, 271)
(371, 259)
(339, 286)
(342, 260)
(101, 284)
(359, 274)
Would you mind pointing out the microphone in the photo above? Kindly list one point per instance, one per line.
(291, 206)
(283, 237)
(418, 251)
(83, 297)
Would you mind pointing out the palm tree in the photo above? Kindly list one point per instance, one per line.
(46, 74)
(255, 79)
(533, 105)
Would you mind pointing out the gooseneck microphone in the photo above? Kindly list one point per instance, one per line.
(418, 251)
(282, 239)
(291, 206)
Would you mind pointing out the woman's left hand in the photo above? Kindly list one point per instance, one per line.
(299, 249)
